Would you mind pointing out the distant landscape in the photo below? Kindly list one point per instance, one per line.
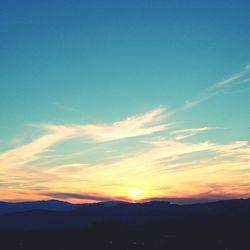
(118, 225)
(124, 125)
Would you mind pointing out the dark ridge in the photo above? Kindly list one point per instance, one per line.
(222, 225)
(61, 215)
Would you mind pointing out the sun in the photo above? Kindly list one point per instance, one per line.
(136, 194)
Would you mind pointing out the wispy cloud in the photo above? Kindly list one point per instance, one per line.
(29, 152)
(163, 170)
(218, 87)
(67, 108)
(79, 196)
(185, 133)
(131, 127)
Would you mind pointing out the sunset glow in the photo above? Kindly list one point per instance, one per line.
(136, 194)
(124, 101)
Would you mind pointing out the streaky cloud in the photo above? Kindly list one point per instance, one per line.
(29, 152)
(131, 127)
(159, 171)
(216, 88)
(185, 133)
(79, 196)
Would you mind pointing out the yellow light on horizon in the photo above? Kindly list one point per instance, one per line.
(136, 194)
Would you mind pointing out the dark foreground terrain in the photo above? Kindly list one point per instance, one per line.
(119, 237)
(221, 225)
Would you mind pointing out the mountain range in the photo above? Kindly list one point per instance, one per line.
(54, 214)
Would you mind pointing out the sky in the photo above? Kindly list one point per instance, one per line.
(124, 100)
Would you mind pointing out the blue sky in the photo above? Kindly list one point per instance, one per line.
(94, 63)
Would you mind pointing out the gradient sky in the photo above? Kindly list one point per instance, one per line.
(127, 100)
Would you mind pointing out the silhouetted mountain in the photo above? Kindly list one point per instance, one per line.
(51, 205)
(223, 225)
(60, 215)
(54, 205)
